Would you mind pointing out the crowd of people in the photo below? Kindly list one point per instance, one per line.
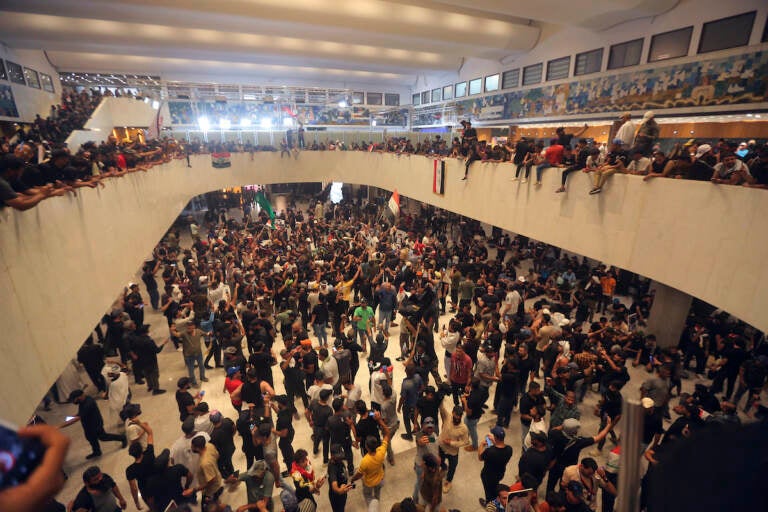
(35, 164)
(306, 307)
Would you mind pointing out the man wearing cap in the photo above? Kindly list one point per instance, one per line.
(566, 446)
(574, 497)
(223, 438)
(495, 456)
(426, 443)
(591, 477)
(653, 426)
(703, 164)
(89, 416)
(191, 343)
(626, 132)
(259, 483)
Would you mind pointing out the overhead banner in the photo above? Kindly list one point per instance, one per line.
(438, 176)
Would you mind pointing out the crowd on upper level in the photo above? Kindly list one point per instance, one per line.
(35, 164)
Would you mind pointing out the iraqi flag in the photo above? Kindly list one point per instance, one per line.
(438, 176)
(394, 203)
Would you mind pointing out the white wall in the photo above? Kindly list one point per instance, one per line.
(111, 113)
(559, 41)
(63, 262)
(29, 101)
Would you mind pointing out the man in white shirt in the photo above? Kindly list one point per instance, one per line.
(181, 450)
(217, 292)
(511, 303)
(329, 366)
(639, 164)
(626, 132)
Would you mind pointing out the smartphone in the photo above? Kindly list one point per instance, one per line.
(488, 442)
(69, 418)
(371, 414)
(202, 392)
(19, 457)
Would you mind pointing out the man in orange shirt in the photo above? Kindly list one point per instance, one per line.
(608, 283)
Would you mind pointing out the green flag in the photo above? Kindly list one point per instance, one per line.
(262, 201)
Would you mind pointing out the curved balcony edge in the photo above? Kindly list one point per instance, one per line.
(64, 261)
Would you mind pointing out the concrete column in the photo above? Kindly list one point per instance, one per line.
(668, 314)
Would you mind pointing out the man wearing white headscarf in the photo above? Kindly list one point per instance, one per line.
(647, 133)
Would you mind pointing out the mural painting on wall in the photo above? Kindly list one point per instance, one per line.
(186, 113)
(7, 103)
(726, 81)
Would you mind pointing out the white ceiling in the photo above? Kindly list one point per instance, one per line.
(383, 42)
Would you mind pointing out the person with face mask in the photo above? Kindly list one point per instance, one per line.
(453, 435)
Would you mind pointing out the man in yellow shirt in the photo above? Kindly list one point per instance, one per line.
(371, 468)
(208, 474)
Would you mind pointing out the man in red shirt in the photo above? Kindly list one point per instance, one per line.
(553, 156)
(461, 372)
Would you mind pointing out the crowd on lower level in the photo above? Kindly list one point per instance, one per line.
(527, 346)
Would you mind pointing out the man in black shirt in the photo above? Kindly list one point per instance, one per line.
(93, 424)
(184, 399)
(91, 356)
(318, 414)
(566, 445)
(537, 459)
(165, 486)
(495, 455)
(223, 438)
(100, 493)
(532, 408)
(340, 430)
(144, 352)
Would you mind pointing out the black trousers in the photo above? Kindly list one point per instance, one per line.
(98, 434)
(286, 449)
(321, 434)
(490, 482)
(97, 378)
(225, 464)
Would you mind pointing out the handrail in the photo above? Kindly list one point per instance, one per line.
(70, 255)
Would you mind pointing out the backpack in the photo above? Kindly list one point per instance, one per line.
(343, 361)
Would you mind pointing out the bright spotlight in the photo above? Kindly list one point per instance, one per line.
(373, 122)
(245, 123)
(343, 104)
(146, 100)
(155, 104)
(288, 122)
(225, 124)
(266, 123)
(204, 123)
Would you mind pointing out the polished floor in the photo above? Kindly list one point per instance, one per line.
(161, 412)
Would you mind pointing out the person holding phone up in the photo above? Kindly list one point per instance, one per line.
(495, 455)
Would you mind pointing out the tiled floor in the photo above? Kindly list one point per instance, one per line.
(161, 412)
